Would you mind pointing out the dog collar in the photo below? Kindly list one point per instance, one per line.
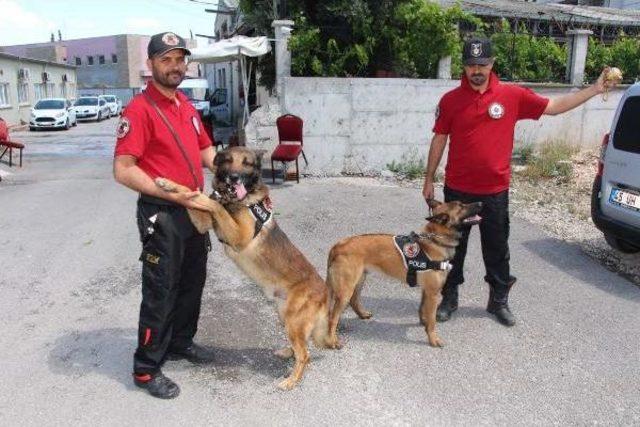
(415, 259)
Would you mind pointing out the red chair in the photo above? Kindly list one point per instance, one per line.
(289, 143)
(7, 144)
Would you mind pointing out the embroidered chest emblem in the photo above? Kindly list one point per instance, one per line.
(496, 110)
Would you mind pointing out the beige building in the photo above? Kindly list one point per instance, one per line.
(23, 81)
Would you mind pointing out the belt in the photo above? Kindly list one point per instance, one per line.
(156, 200)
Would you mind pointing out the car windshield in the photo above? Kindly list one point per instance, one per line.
(195, 94)
(87, 101)
(49, 104)
(110, 98)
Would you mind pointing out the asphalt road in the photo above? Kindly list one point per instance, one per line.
(69, 278)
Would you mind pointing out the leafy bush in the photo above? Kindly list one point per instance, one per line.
(522, 57)
(624, 53)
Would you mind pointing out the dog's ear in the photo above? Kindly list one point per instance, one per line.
(221, 157)
(433, 203)
(259, 154)
(441, 219)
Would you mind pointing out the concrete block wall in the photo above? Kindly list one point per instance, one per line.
(360, 125)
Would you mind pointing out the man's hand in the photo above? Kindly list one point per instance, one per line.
(427, 189)
(602, 84)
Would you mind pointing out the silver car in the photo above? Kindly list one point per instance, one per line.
(615, 198)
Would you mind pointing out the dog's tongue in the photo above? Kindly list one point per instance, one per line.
(240, 191)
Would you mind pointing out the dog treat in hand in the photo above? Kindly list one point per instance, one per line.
(611, 78)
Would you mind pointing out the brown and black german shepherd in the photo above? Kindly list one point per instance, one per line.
(235, 211)
(351, 258)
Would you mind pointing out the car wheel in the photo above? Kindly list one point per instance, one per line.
(99, 119)
(67, 124)
(75, 122)
(620, 244)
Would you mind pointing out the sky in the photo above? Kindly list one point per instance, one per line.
(33, 21)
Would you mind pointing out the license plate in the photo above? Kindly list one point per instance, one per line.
(625, 198)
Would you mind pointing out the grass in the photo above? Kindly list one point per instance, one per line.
(552, 160)
(410, 166)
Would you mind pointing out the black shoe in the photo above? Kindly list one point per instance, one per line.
(502, 313)
(157, 385)
(195, 353)
(447, 306)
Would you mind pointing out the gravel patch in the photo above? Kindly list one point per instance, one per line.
(562, 207)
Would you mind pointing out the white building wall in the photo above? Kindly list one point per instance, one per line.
(360, 125)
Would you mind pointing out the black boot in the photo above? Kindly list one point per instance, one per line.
(196, 354)
(449, 303)
(498, 303)
(157, 385)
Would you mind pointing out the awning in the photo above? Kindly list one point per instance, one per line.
(230, 49)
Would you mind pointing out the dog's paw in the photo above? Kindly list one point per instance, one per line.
(164, 184)
(435, 341)
(284, 353)
(365, 315)
(334, 343)
(287, 384)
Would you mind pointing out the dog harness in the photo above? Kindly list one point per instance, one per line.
(415, 259)
(261, 212)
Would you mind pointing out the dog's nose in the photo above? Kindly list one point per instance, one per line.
(234, 177)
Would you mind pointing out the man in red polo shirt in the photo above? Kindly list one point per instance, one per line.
(479, 119)
(160, 134)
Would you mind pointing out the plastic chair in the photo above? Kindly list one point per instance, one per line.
(290, 143)
(7, 144)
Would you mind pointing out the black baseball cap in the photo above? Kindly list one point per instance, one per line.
(477, 51)
(164, 42)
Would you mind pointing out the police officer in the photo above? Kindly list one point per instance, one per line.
(478, 118)
(160, 135)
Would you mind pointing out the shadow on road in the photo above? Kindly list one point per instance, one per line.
(570, 259)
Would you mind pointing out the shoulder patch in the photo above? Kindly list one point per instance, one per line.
(124, 126)
(437, 112)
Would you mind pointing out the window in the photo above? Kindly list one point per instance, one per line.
(101, 59)
(50, 90)
(625, 137)
(4, 95)
(23, 93)
(89, 60)
(78, 60)
(38, 91)
(114, 58)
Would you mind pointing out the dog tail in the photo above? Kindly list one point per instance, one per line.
(320, 333)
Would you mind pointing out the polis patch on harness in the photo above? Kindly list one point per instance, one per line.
(415, 259)
(262, 213)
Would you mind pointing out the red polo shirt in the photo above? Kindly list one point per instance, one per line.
(142, 133)
(480, 129)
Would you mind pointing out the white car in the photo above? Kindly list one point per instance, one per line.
(91, 108)
(52, 113)
(114, 104)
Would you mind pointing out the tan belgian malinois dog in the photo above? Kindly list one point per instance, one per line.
(351, 258)
(239, 211)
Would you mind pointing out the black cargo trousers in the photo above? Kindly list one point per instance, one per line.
(174, 260)
(494, 238)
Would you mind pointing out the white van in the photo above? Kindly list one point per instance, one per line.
(197, 90)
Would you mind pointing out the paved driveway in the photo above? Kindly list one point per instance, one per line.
(70, 294)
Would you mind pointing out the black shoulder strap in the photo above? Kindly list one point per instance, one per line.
(175, 137)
